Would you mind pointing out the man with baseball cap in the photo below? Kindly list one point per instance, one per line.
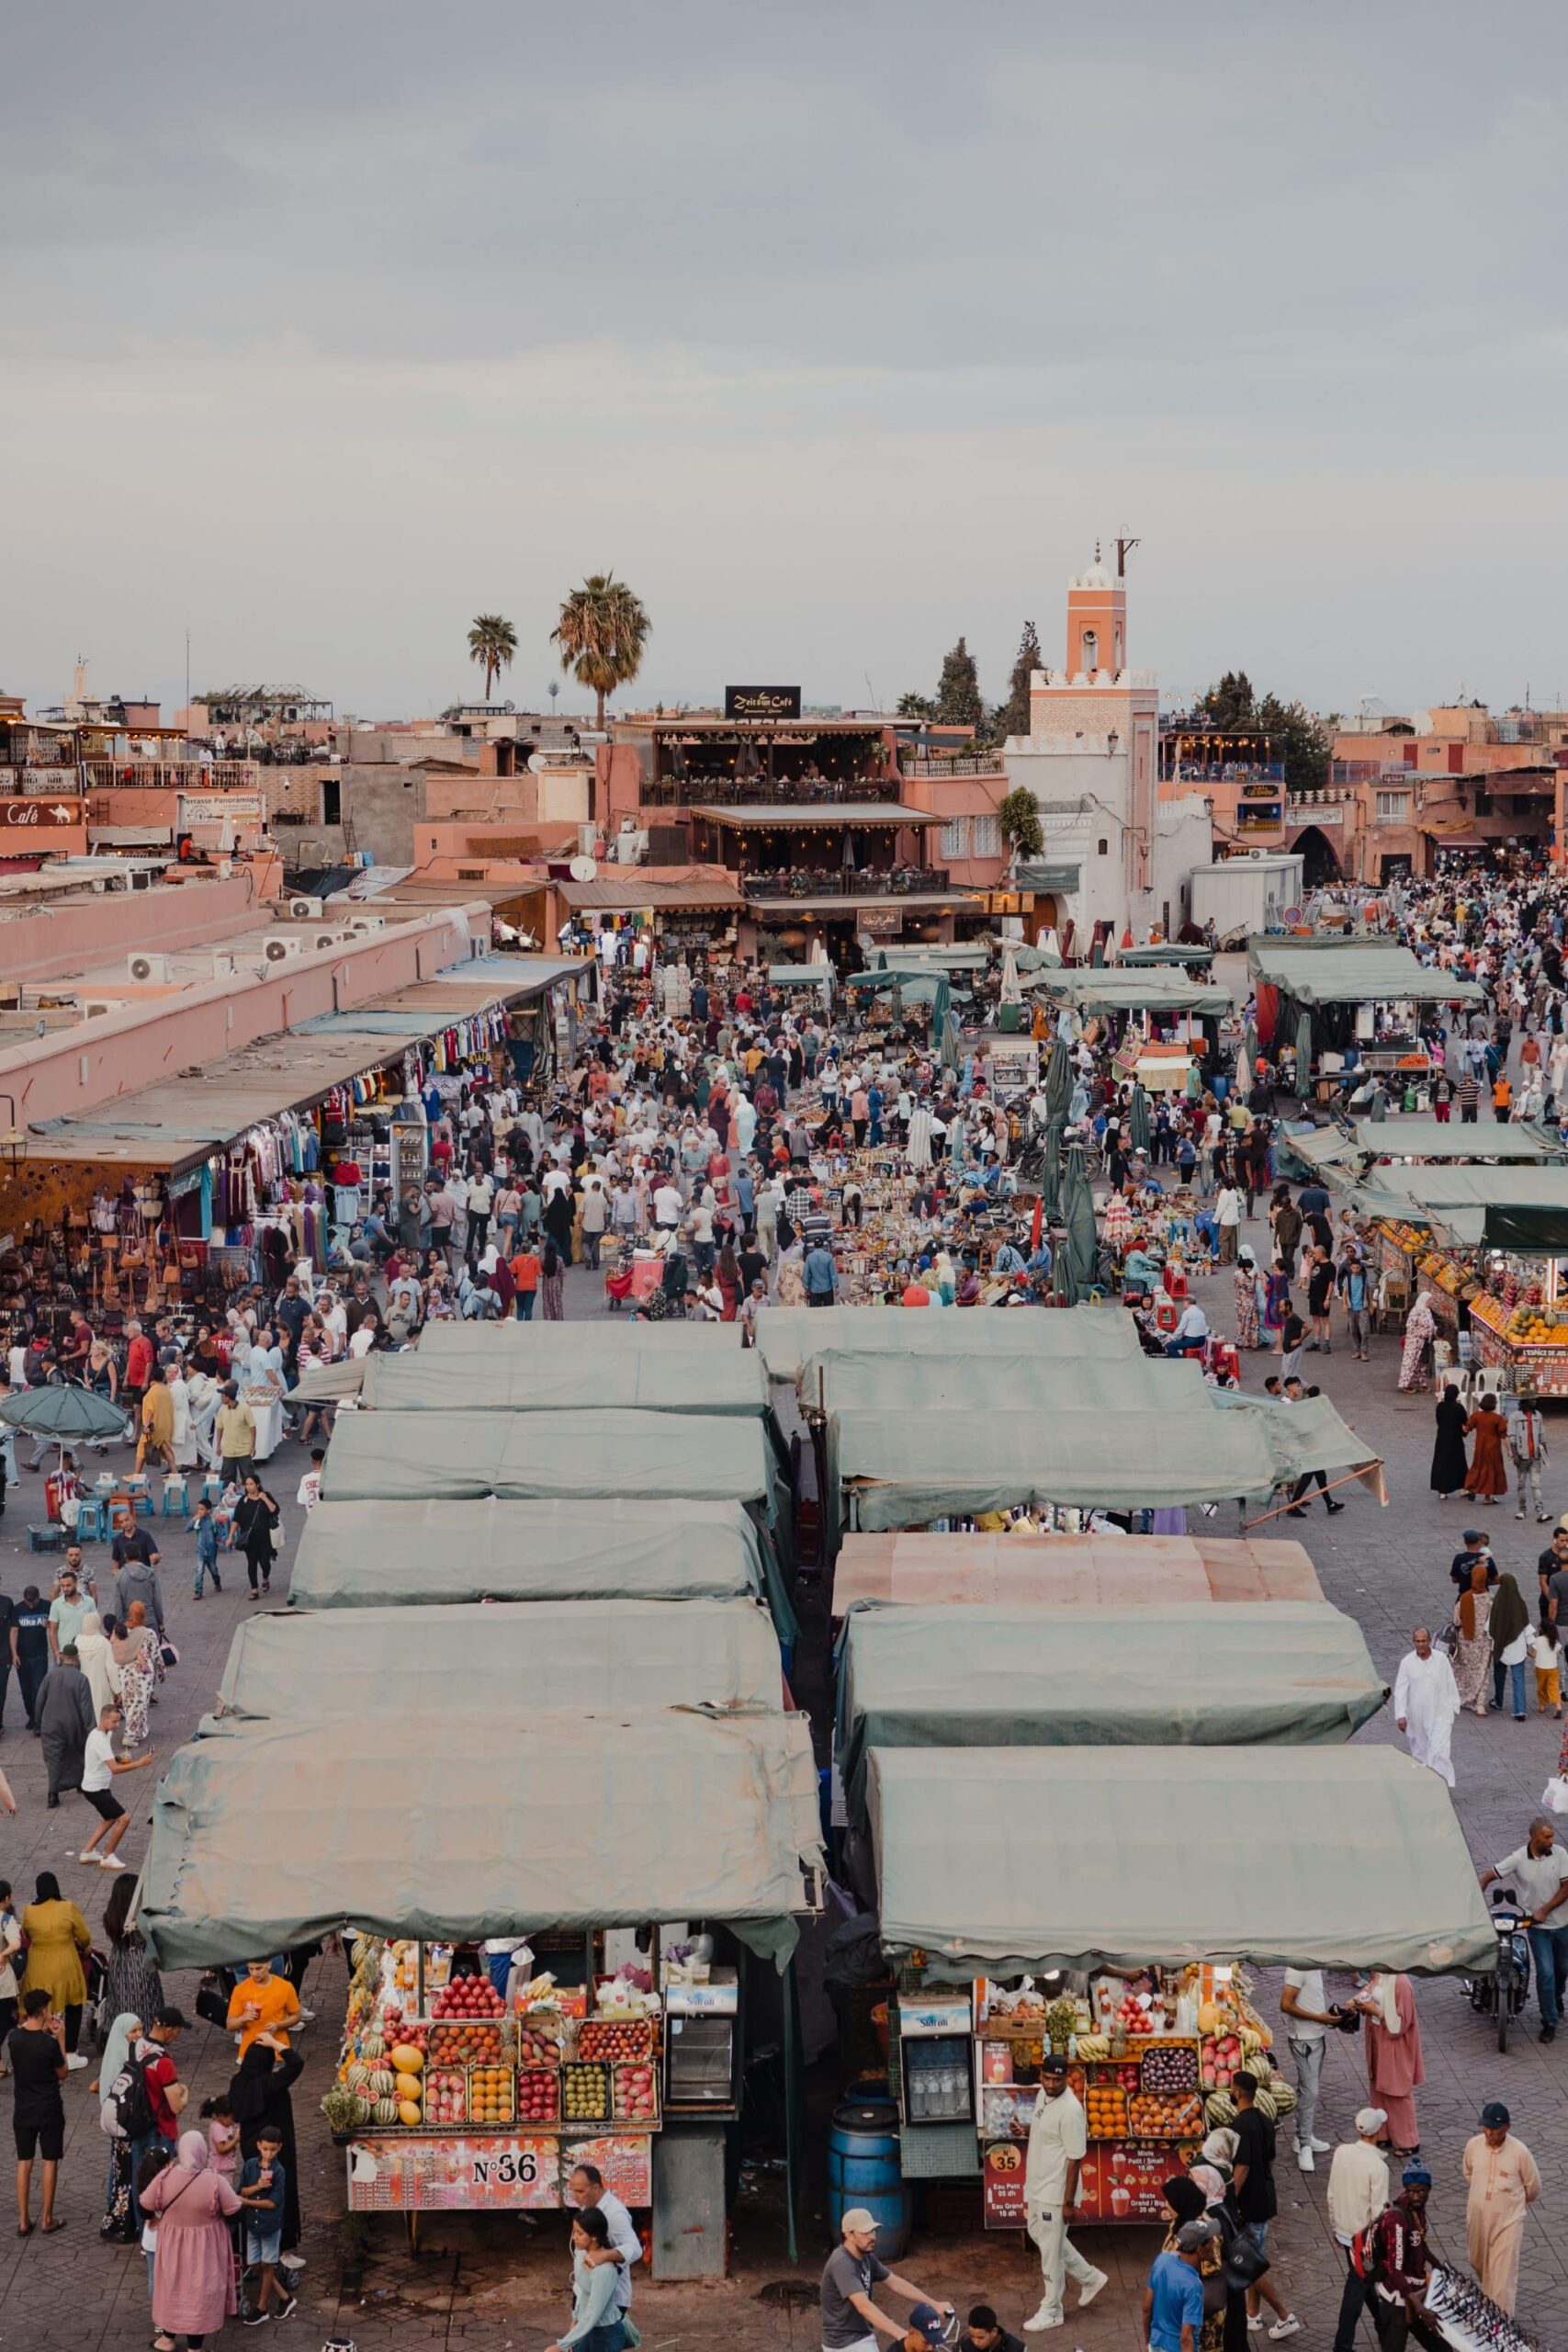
(1058, 2137)
(1173, 2300)
(1357, 2192)
(1505, 2181)
(850, 2321)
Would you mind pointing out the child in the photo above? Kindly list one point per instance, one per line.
(1548, 1654)
(151, 2165)
(222, 2136)
(205, 1529)
(261, 2184)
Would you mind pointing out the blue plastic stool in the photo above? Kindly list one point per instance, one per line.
(92, 1519)
(174, 1503)
(212, 1487)
(140, 1489)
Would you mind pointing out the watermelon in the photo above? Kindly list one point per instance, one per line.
(385, 2110)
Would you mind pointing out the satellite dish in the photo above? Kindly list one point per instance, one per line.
(583, 869)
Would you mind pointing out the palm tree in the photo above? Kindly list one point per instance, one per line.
(602, 633)
(493, 642)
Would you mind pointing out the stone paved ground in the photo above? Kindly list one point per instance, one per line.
(500, 2282)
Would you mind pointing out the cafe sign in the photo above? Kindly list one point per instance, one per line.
(38, 815)
(761, 702)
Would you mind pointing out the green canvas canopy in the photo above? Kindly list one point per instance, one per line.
(467, 1823)
(800, 975)
(378, 1555)
(863, 1381)
(1431, 1139)
(788, 1337)
(1355, 971)
(569, 1344)
(1115, 991)
(508, 1378)
(418, 1457)
(535, 1656)
(1523, 1208)
(1130, 1436)
(912, 956)
(980, 1675)
(1166, 951)
(1005, 1861)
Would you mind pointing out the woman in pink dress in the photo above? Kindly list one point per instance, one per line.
(193, 2278)
(1394, 2072)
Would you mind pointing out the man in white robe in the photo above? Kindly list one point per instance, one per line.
(1425, 1702)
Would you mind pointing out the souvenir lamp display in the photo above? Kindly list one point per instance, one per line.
(450, 2093)
(1150, 2061)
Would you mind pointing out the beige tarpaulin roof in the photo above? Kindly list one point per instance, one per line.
(1004, 1862)
(508, 1378)
(418, 1456)
(468, 1823)
(532, 1656)
(788, 1336)
(1073, 1571)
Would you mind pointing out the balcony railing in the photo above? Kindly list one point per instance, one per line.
(181, 775)
(1190, 771)
(744, 792)
(1301, 804)
(941, 764)
(848, 882)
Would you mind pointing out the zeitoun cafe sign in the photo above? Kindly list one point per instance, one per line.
(761, 702)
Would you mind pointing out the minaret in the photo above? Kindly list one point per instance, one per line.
(1097, 622)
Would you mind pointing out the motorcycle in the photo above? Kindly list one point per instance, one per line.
(1503, 1993)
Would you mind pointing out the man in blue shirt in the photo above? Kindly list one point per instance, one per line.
(1173, 2300)
(820, 1276)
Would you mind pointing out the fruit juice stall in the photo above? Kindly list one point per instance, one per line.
(972, 1677)
(1096, 1900)
(451, 1829)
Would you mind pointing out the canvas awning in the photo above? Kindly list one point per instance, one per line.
(1115, 991)
(1131, 1436)
(789, 1336)
(1038, 873)
(375, 1555)
(1166, 951)
(1354, 971)
(407, 1456)
(918, 1569)
(468, 1823)
(1007, 1861)
(532, 1656)
(1432, 1139)
(507, 1377)
(1523, 1208)
(976, 1675)
(801, 976)
(823, 813)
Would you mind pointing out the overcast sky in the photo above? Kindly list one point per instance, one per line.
(836, 329)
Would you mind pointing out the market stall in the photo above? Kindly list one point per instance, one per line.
(1144, 1434)
(532, 1656)
(1069, 1571)
(378, 1555)
(990, 1674)
(452, 1827)
(787, 1336)
(1102, 1899)
(505, 1373)
(1353, 1003)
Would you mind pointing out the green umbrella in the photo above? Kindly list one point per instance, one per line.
(1304, 1056)
(1063, 1281)
(1051, 1168)
(1077, 1214)
(68, 1413)
(952, 1054)
(1058, 1080)
(1138, 1119)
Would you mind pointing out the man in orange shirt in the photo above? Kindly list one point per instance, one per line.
(525, 1271)
(262, 2003)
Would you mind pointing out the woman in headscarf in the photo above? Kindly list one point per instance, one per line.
(193, 2279)
(1421, 1331)
(118, 2223)
(1395, 2071)
(130, 1980)
(1488, 1473)
(258, 2095)
(57, 1937)
(1473, 1651)
(1449, 1469)
(95, 1659)
(139, 1663)
(552, 1280)
(1249, 1309)
(1220, 2206)
(1509, 1630)
(1275, 1296)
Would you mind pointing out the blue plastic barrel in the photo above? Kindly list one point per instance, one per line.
(863, 2169)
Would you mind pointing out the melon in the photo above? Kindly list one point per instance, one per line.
(361, 2109)
(406, 2087)
(1264, 2102)
(1283, 2096)
(409, 2110)
(357, 2075)
(407, 2059)
(382, 2082)
(385, 2110)
(372, 2046)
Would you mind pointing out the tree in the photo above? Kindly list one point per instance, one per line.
(958, 702)
(491, 642)
(1019, 820)
(1230, 704)
(602, 632)
(913, 705)
(1012, 718)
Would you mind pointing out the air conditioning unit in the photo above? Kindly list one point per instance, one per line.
(366, 922)
(303, 909)
(279, 946)
(328, 938)
(224, 966)
(147, 968)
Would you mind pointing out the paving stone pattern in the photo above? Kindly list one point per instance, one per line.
(504, 2282)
